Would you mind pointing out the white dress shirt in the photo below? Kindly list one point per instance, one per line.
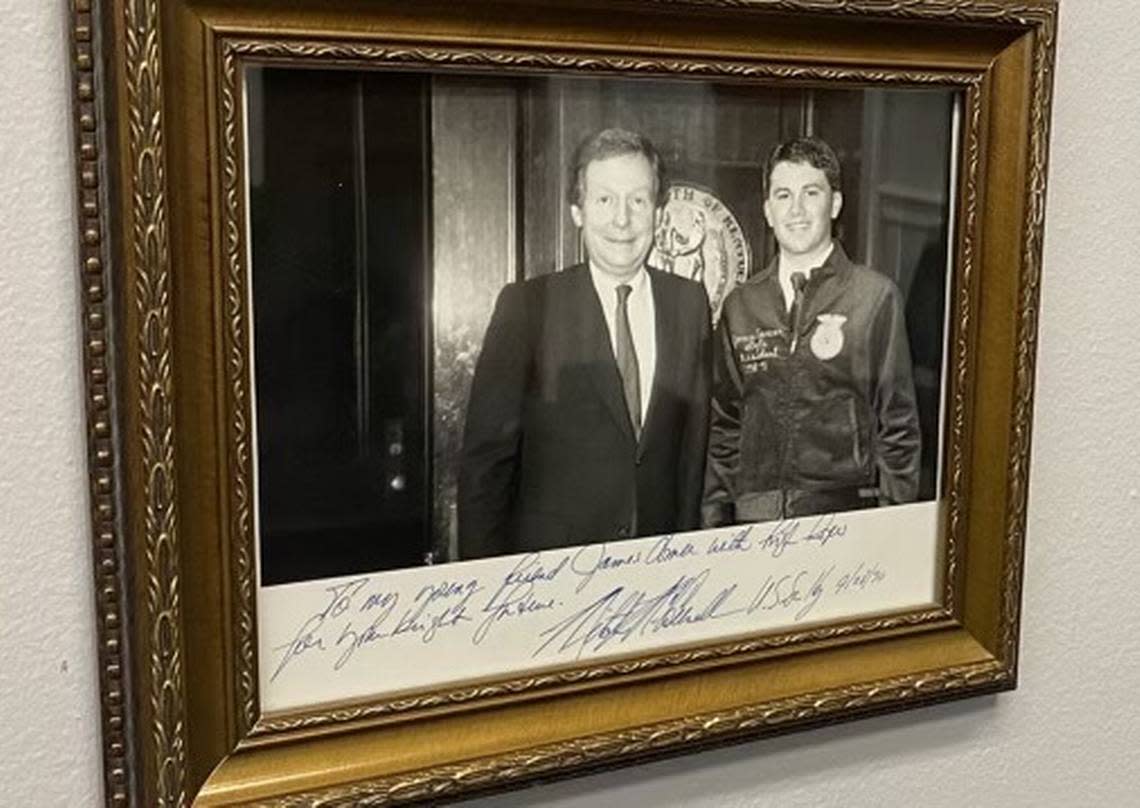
(785, 273)
(642, 323)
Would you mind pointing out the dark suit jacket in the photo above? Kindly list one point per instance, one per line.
(549, 454)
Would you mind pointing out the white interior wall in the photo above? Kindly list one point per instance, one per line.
(1068, 736)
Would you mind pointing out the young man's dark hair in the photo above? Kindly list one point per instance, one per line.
(808, 150)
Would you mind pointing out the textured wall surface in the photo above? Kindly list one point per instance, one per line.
(1068, 736)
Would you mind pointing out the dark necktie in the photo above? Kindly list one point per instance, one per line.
(627, 359)
(799, 281)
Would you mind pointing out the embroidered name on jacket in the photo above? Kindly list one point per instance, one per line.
(754, 349)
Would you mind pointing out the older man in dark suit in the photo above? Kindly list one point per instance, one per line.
(588, 417)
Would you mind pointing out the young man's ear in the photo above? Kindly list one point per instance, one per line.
(576, 215)
(768, 214)
(836, 204)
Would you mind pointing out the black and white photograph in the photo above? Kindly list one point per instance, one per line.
(499, 314)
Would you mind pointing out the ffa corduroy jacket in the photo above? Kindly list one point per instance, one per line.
(830, 409)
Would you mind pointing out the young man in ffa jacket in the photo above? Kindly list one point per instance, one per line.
(588, 415)
(813, 404)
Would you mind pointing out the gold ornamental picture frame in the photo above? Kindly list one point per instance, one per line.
(232, 672)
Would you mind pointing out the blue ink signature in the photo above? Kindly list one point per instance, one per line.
(622, 613)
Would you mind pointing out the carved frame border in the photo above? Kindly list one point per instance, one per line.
(148, 434)
(642, 742)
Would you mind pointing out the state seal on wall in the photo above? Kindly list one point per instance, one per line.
(698, 237)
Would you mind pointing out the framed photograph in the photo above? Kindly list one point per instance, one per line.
(492, 391)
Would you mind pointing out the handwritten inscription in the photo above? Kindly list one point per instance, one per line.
(793, 532)
(356, 615)
(577, 602)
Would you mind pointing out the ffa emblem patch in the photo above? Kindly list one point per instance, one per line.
(827, 341)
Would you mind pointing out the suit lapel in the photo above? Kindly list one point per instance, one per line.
(597, 349)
